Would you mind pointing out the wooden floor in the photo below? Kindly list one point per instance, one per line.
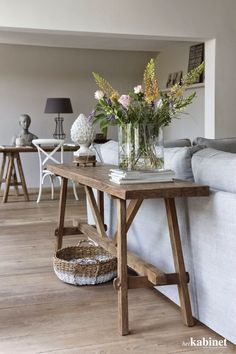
(40, 314)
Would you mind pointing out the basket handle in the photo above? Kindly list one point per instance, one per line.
(87, 242)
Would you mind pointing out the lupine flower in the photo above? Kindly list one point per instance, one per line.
(99, 94)
(92, 115)
(114, 97)
(124, 100)
(111, 118)
(108, 101)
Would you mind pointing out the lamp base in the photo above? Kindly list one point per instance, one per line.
(59, 132)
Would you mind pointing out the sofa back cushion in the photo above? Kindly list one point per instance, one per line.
(227, 145)
(216, 169)
(107, 153)
(177, 143)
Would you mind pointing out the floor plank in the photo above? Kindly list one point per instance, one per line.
(42, 315)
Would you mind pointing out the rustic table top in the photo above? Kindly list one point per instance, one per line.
(10, 149)
(98, 178)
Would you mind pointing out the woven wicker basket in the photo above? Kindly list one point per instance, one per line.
(84, 265)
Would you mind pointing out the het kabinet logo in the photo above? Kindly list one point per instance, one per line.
(205, 342)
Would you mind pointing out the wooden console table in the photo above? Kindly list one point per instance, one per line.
(97, 177)
(11, 163)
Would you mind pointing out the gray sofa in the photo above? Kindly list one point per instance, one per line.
(208, 232)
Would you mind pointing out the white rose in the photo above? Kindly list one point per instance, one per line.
(138, 89)
(99, 95)
(159, 103)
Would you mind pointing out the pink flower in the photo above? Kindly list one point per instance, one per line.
(124, 100)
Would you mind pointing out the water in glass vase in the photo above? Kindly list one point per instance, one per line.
(140, 147)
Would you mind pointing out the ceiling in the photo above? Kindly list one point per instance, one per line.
(85, 40)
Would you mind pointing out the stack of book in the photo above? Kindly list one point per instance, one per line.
(128, 177)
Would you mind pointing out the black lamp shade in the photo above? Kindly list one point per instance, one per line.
(58, 105)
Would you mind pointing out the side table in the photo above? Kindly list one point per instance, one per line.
(97, 178)
(11, 167)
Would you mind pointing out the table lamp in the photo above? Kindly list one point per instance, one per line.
(58, 105)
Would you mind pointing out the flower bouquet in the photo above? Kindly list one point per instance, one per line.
(141, 115)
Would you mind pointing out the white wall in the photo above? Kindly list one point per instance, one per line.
(28, 75)
(191, 123)
(183, 19)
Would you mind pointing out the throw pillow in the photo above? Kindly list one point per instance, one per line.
(179, 160)
(177, 143)
(227, 144)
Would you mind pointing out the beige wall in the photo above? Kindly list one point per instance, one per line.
(28, 75)
(182, 19)
(191, 123)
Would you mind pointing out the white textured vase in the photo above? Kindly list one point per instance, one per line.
(82, 133)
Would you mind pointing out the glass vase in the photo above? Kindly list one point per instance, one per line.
(140, 147)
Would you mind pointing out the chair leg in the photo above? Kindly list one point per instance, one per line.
(75, 191)
(52, 186)
(40, 188)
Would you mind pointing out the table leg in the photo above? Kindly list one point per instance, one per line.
(122, 268)
(131, 212)
(2, 168)
(179, 261)
(96, 212)
(100, 202)
(8, 177)
(15, 181)
(22, 177)
(62, 209)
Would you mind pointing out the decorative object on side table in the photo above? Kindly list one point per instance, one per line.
(133, 177)
(83, 133)
(24, 138)
(58, 105)
(141, 115)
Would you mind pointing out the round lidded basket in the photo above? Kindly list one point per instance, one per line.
(87, 264)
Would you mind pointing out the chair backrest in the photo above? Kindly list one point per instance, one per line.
(46, 156)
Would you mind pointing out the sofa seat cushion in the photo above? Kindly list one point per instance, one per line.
(216, 169)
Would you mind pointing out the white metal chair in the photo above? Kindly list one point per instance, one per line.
(44, 158)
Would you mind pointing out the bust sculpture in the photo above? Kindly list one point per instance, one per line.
(24, 138)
